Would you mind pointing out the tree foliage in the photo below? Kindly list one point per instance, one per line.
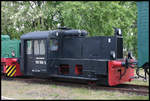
(97, 17)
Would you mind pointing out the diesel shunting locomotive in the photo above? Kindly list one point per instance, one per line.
(69, 54)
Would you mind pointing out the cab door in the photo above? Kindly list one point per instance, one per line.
(35, 56)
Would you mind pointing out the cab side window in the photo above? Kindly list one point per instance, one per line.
(53, 45)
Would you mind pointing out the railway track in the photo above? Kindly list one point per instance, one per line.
(124, 88)
(128, 88)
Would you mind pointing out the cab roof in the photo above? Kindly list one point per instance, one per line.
(38, 35)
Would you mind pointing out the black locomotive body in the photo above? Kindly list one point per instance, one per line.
(70, 55)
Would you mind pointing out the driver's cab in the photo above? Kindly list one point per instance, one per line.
(36, 51)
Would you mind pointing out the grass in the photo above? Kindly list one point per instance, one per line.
(42, 91)
(24, 90)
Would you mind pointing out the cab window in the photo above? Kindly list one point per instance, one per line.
(39, 47)
(42, 47)
(29, 47)
(36, 47)
(53, 45)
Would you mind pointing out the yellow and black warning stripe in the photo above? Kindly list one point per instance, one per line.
(10, 70)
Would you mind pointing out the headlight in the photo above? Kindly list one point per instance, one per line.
(112, 54)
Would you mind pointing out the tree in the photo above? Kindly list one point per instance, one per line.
(97, 17)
